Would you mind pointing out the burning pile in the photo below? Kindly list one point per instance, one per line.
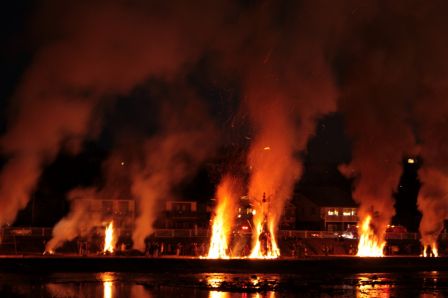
(222, 221)
(109, 239)
(370, 245)
(430, 250)
(264, 236)
(265, 244)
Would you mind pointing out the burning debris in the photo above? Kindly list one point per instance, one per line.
(223, 220)
(370, 244)
(265, 246)
(109, 239)
(430, 251)
(265, 242)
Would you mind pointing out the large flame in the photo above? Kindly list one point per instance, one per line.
(109, 239)
(265, 244)
(220, 236)
(369, 244)
(433, 250)
(222, 222)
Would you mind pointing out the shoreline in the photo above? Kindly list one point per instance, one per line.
(351, 264)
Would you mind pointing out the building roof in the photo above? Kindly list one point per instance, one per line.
(328, 196)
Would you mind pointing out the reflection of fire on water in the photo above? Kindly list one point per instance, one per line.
(61, 290)
(371, 285)
(430, 250)
(107, 279)
(109, 239)
(139, 291)
(107, 285)
(369, 244)
(218, 294)
(265, 244)
(217, 282)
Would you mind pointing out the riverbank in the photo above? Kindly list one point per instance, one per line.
(351, 264)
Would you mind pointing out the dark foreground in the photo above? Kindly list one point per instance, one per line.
(194, 265)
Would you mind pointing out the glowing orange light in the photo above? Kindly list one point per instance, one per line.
(433, 250)
(107, 279)
(222, 221)
(369, 243)
(109, 239)
(265, 243)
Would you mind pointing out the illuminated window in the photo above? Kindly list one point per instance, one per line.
(333, 212)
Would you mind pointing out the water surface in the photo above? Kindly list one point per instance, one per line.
(112, 285)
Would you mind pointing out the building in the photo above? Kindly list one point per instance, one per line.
(120, 211)
(325, 208)
(183, 215)
(336, 218)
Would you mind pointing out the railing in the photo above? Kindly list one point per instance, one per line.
(29, 232)
(172, 233)
(10, 232)
(306, 234)
(402, 236)
(340, 218)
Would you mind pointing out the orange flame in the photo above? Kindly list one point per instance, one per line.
(369, 244)
(265, 248)
(434, 252)
(109, 239)
(265, 244)
(222, 221)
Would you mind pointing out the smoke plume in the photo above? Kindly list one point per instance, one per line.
(379, 86)
(393, 96)
(431, 113)
(376, 121)
(186, 139)
(287, 86)
(87, 55)
(79, 222)
(85, 213)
